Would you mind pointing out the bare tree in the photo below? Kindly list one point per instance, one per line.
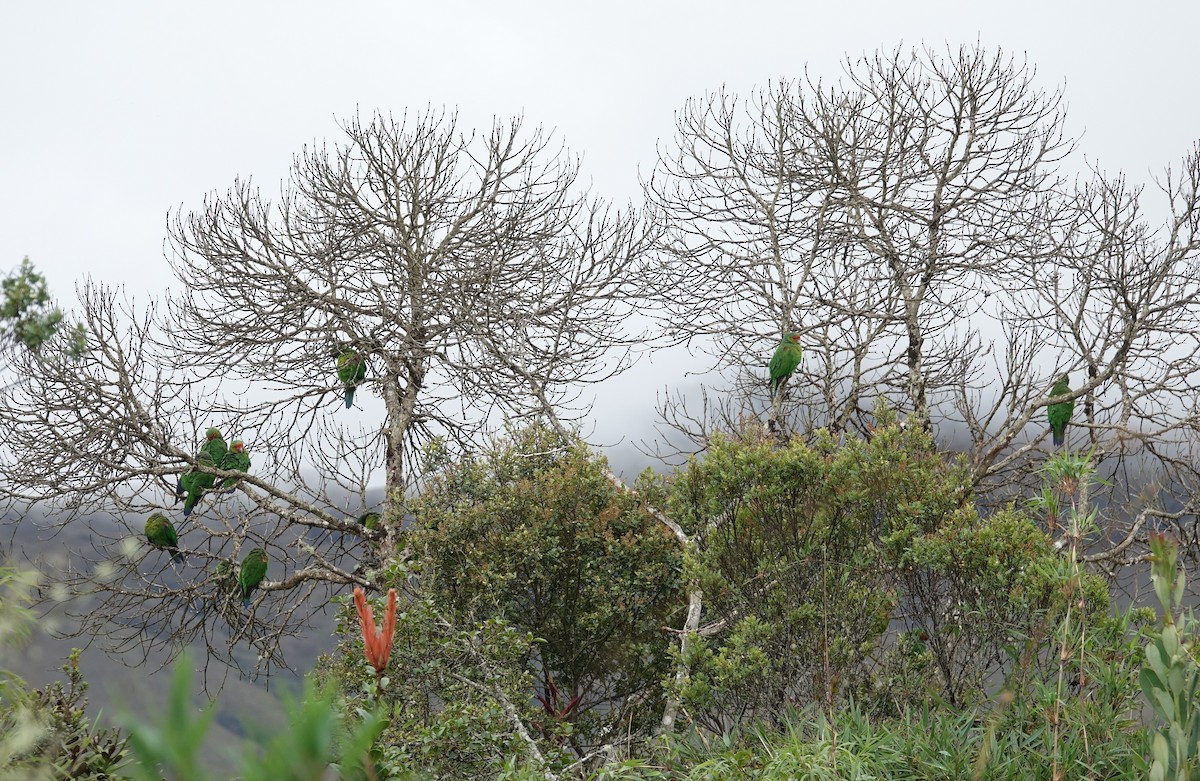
(746, 239)
(913, 220)
(1118, 308)
(469, 271)
(875, 215)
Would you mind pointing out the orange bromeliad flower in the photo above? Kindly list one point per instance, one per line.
(377, 645)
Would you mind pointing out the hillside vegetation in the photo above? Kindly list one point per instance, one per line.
(955, 372)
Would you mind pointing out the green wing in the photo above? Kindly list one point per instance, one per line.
(369, 520)
(254, 569)
(212, 452)
(226, 578)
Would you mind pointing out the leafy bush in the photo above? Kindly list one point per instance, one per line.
(27, 317)
(1170, 677)
(533, 532)
(837, 567)
(316, 739)
(443, 692)
(45, 733)
(924, 745)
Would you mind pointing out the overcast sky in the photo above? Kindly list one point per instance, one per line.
(113, 114)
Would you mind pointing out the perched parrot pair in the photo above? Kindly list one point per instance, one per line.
(785, 360)
(351, 371)
(251, 573)
(789, 352)
(194, 483)
(1059, 414)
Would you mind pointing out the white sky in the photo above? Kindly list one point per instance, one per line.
(113, 114)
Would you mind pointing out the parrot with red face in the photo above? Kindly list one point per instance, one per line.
(236, 460)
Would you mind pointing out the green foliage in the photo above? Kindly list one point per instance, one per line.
(22, 726)
(316, 739)
(852, 567)
(923, 745)
(1170, 677)
(444, 719)
(27, 317)
(537, 591)
(839, 571)
(533, 532)
(44, 733)
(173, 742)
(74, 747)
(791, 560)
(973, 590)
(16, 595)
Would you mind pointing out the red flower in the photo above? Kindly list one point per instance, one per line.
(377, 646)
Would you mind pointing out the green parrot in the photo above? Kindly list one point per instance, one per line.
(785, 360)
(254, 569)
(351, 369)
(1059, 414)
(370, 520)
(236, 460)
(195, 483)
(214, 446)
(160, 532)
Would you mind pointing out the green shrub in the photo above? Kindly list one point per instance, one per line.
(1170, 677)
(835, 567)
(534, 533)
(441, 691)
(316, 740)
(45, 733)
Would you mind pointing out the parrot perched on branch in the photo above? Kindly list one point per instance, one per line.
(254, 569)
(370, 520)
(194, 483)
(160, 532)
(351, 370)
(785, 360)
(214, 444)
(214, 447)
(1059, 414)
(236, 460)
